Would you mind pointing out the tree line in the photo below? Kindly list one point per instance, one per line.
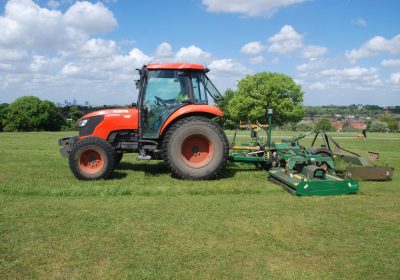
(29, 113)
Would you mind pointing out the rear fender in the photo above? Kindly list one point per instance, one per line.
(190, 110)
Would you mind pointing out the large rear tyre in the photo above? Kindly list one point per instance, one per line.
(91, 159)
(195, 148)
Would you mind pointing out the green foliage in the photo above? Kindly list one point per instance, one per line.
(332, 111)
(75, 113)
(378, 126)
(226, 121)
(3, 113)
(305, 126)
(259, 92)
(29, 113)
(325, 124)
(391, 122)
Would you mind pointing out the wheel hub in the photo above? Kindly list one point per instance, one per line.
(91, 161)
(197, 150)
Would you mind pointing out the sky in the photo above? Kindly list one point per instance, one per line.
(340, 52)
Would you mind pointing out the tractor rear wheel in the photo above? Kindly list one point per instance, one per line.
(195, 148)
(92, 158)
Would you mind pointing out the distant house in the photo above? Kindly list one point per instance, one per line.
(337, 124)
(358, 125)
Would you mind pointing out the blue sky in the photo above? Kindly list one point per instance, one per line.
(340, 52)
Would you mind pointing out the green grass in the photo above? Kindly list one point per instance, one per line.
(144, 224)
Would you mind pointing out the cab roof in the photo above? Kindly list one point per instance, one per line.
(176, 66)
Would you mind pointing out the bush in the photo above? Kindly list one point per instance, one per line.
(378, 126)
(29, 113)
(391, 122)
(305, 126)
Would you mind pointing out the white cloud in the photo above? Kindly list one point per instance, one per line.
(38, 62)
(360, 22)
(192, 54)
(227, 66)
(138, 57)
(252, 48)
(359, 78)
(313, 51)
(94, 48)
(395, 78)
(26, 25)
(248, 7)
(164, 50)
(275, 60)
(12, 54)
(317, 86)
(286, 41)
(374, 46)
(70, 69)
(91, 18)
(257, 60)
(391, 63)
(313, 65)
(53, 4)
(226, 72)
(5, 67)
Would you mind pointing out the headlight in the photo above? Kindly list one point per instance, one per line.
(83, 122)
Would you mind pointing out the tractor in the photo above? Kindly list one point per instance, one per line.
(171, 120)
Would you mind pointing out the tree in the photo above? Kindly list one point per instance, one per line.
(3, 112)
(29, 113)
(226, 121)
(259, 92)
(75, 113)
(325, 124)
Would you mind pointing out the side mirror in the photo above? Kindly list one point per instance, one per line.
(134, 105)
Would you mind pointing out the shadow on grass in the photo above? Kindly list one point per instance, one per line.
(149, 169)
(117, 176)
(159, 168)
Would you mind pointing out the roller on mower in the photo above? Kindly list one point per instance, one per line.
(171, 121)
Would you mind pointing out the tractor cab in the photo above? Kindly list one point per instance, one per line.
(164, 88)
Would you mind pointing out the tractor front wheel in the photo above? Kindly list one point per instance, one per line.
(195, 148)
(92, 158)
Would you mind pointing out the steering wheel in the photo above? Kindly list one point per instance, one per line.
(160, 101)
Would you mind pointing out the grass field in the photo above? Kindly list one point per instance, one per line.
(144, 224)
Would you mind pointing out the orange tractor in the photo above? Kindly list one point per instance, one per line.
(171, 121)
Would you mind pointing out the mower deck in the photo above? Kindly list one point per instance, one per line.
(300, 185)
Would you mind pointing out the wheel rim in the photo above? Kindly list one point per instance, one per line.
(197, 150)
(91, 161)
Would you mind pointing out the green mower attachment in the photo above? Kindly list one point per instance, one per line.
(300, 170)
(303, 185)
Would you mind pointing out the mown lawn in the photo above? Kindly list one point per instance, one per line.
(144, 224)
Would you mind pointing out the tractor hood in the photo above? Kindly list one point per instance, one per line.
(118, 112)
(101, 123)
